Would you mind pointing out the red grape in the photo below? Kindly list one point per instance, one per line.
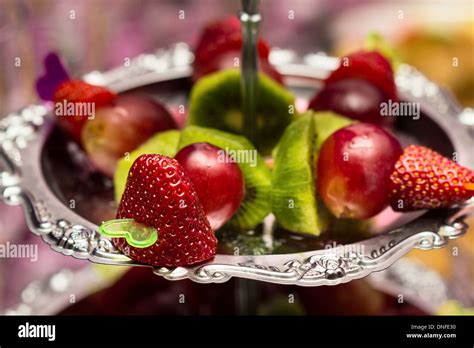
(353, 170)
(352, 97)
(217, 180)
(121, 128)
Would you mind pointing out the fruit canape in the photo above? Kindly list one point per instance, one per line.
(337, 162)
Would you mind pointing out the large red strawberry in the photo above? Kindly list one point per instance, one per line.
(220, 43)
(424, 179)
(160, 195)
(78, 95)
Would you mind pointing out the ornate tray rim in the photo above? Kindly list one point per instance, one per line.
(23, 133)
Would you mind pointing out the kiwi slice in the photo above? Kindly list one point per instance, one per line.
(256, 203)
(163, 143)
(293, 195)
(216, 102)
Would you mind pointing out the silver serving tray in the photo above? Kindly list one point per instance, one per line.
(24, 136)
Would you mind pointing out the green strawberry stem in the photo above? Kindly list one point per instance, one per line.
(136, 234)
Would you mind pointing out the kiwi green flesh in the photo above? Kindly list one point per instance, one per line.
(256, 203)
(293, 196)
(163, 143)
(215, 102)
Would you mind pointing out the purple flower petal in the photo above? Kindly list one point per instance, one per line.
(55, 73)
